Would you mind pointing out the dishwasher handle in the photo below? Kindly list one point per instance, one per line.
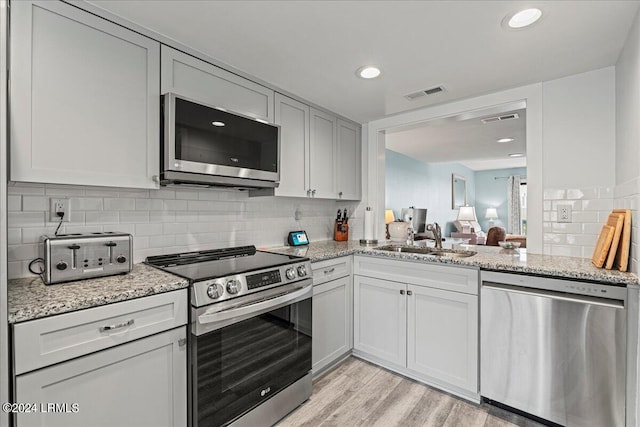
(561, 296)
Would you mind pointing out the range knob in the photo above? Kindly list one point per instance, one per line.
(302, 271)
(290, 273)
(233, 286)
(121, 259)
(214, 291)
(62, 265)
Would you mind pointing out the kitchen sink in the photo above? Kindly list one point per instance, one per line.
(448, 253)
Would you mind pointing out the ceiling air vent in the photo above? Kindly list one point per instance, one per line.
(509, 116)
(431, 91)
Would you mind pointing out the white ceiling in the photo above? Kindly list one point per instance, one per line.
(465, 139)
(312, 48)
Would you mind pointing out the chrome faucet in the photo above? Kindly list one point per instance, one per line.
(437, 234)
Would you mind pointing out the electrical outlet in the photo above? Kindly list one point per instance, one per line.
(60, 205)
(564, 213)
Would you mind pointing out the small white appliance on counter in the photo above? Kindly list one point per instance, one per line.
(69, 257)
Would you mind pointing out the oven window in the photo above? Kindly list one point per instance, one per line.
(210, 136)
(241, 365)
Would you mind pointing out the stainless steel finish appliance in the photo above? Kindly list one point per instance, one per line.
(250, 338)
(418, 218)
(69, 257)
(555, 349)
(208, 145)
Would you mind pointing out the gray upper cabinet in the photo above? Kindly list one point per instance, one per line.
(84, 106)
(293, 118)
(349, 161)
(322, 168)
(190, 77)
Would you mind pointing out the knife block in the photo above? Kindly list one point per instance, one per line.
(340, 231)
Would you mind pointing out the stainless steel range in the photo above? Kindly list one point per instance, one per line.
(250, 350)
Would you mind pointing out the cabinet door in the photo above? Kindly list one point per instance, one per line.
(332, 321)
(142, 383)
(190, 77)
(85, 99)
(379, 316)
(442, 336)
(349, 161)
(322, 163)
(293, 118)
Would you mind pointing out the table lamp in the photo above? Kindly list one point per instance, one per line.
(466, 214)
(491, 215)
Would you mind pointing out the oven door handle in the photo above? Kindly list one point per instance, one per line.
(250, 309)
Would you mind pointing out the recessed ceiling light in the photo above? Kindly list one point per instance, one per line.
(501, 140)
(219, 124)
(368, 72)
(516, 155)
(523, 18)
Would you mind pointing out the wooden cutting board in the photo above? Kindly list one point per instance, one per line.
(603, 245)
(615, 220)
(622, 254)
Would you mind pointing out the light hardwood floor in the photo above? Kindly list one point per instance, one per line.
(358, 393)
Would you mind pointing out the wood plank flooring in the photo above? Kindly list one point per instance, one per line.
(358, 393)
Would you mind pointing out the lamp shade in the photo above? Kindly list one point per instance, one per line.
(388, 216)
(467, 213)
(492, 213)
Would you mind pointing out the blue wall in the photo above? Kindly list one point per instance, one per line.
(492, 193)
(410, 182)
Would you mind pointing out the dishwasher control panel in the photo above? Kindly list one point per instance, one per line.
(70, 257)
(597, 290)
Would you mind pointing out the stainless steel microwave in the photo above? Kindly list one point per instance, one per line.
(208, 145)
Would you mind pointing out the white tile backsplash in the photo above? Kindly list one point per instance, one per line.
(167, 220)
(590, 209)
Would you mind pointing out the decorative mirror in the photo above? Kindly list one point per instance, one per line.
(458, 191)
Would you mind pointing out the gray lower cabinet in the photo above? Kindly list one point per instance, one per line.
(121, 364)
(332, 312)
(332, 317)
(418, 326)
(141, 383)
(85, 99)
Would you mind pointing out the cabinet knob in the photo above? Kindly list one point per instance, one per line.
(409, 293)
(313, 192)
(155, 178)
(340, 194)
(401, 291)
(308, 192)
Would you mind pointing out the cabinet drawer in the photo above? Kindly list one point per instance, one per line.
(324, 271)
(458, 279)
(54, 339)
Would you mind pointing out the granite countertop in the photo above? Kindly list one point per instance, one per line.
(29, 298)
(487, 258)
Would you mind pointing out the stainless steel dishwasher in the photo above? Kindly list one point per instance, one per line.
(554, 348)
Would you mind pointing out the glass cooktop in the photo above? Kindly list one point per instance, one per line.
(212, 264)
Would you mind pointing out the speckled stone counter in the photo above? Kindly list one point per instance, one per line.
(29, 298)
(487, 258)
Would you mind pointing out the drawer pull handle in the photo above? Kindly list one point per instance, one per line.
(329, 271)
(117, 326)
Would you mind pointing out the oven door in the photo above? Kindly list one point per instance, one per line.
(244, 353)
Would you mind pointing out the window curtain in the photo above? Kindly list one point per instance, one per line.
(513, 204)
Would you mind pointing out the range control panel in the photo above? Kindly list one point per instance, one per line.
(82, 256)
